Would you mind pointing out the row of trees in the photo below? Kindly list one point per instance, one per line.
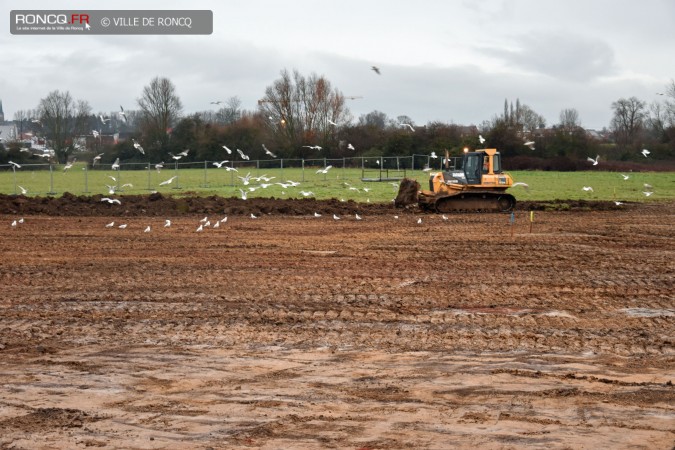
(299, 113)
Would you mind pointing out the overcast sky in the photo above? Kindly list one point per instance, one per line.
(444, 60)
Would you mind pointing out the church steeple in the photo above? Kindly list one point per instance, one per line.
(2, 114)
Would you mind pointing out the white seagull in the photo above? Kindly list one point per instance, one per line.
(138, 147)
(481, 139)
(220, 164)
(96, 159)
(253, 216)
(243, 194)
(325, 169)
(625, 177)
(123, 226)
(316, 214)
(14, 165)
(167, 223)
(24, 191)
(245, 180)
(169, 181)
(433, 155)
(645, 152)
(243, 156)
(375, 69)
(357, 217)
(529, 144)
(110, 225)
(147, 229)
(618, 203)
(332, 123)
(229, 152)
(587, 188)
(111, 200)
(313, 147)
(68, 165)
(122, 114)
(159, 166)
(335, 217)
(407, 125)
(520, 183)
(268, 152)
(306, 193)
(647, 193)
(116, 164)
(419, 220)
(594, 161)
(350, 147)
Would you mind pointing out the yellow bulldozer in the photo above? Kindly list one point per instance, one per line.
(479, 185)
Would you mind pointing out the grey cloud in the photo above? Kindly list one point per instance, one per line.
(559, 55)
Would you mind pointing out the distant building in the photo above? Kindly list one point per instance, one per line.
(2, 114)
(8, 133)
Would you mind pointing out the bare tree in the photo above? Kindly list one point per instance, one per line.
(375, 119)
(303, 111)
(628, 120)
(160, 109)
(61, 118)
(569, 120)
(231, 112)
(21, 116)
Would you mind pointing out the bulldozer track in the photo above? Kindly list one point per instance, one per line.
(239, 337)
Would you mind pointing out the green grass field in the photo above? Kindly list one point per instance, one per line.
(337, 183)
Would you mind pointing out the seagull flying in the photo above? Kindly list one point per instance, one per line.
(268, 152)
(68, 165)
(433, 155)
(645, 152)
(587, 188)
(594, 161)
(175, 157)
(375, 69)
(243, 194)
(103, 119)
(229, 152)
(324, 170)
(245, 180)
(313, 147)
(350, 147)
(529, 144)
(332, 123)
(242, 155)
(220, 164)
(14, 165)
(138, 147)
(625, 177)
(647, 193)
(24, 191)
(481, 139)
(407, 125)
(116, 164)
(97, 158)
(159, 166)
(111, 200)
(520, 183)
(122, 114)
(169, 181)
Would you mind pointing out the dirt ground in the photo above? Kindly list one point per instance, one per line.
(296, 331)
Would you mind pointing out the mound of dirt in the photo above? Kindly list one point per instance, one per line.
(407, 193)
(157, 204)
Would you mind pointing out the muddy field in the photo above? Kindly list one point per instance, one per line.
(296, 331)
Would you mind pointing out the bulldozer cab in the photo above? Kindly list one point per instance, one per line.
(479, 163)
